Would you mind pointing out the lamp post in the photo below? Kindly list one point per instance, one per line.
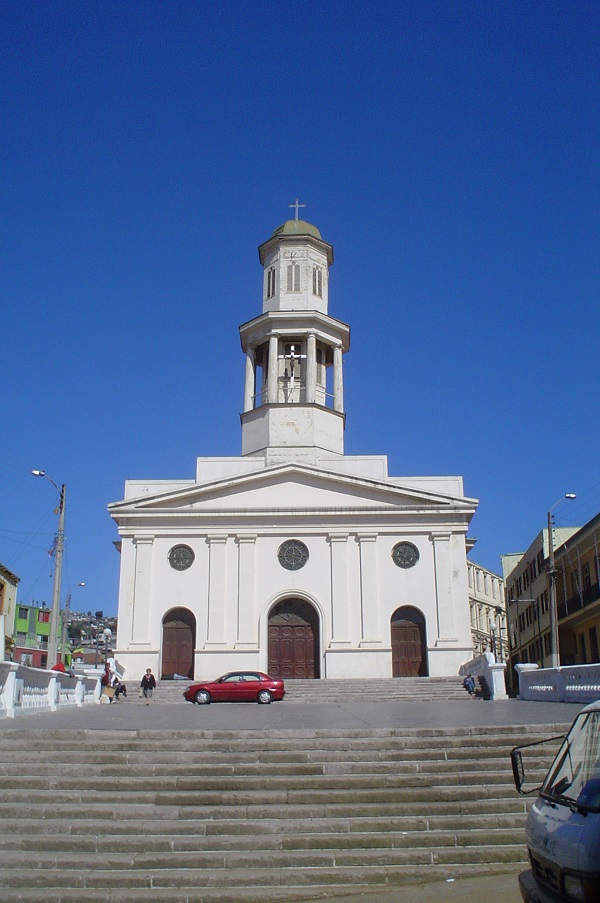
(499, 629)
(551, 572)
(107, 634)
(53, 657)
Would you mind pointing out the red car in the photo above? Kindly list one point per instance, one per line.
(237, 686)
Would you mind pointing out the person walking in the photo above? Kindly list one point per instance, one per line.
(148, 685)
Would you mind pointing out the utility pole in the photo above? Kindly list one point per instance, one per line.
(551, 573)
(53, 654)
(59, 542)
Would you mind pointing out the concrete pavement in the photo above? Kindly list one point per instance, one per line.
(133, 714)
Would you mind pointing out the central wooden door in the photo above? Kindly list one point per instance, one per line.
(293, 641)
(409, 650)
(179, 641)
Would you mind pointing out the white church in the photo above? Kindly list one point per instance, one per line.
(294, 558)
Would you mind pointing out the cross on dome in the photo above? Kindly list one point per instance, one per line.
(296, 206)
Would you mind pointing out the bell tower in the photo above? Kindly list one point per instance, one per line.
(294, 390)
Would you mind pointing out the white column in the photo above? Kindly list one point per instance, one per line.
(272, 372)
(446, 623)
(250, 383)
(140, 623)
(246, 628)
(368, 589)
(311, 368)
(216, 590)
(339, 589)
(338, 380)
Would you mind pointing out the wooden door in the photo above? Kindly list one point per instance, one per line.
(293, 645)
(178, 646)
(407, 649)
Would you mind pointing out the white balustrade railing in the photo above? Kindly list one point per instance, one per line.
(490, 674)
(24, 689)
(572, 683)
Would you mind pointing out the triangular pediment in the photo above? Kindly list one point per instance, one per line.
(291, 487)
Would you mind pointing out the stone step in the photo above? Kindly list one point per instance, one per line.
(68, 868)
(253, 816)
(350, 883)
(417, 689)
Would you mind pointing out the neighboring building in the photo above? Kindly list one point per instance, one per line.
(294, 558)
(578, 595)
(488, 613)
(8, 601)
(31, 632)
(527, 598)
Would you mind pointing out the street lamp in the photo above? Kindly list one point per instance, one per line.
(106, 634)
(53, 658)
(551, 572)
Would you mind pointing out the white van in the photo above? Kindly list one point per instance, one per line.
(563, 826)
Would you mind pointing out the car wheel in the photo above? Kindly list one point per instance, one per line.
(202, 697)
(265, 697)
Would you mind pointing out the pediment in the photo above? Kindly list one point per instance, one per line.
(291, 487)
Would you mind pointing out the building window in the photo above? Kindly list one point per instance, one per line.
(270, 282)
(593, 644)
(293, 277)
(292, 555)
(23, 613)
(318, 282)
(44, 617)
(181, 557)
(586, 577)
(405, 555)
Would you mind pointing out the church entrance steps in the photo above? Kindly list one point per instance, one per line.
(403, 689)
(247, 816)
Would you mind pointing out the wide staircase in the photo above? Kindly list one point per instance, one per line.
(252, 816)
(370, 689)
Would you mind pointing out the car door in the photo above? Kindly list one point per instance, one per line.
(252, 685)
(226, 689)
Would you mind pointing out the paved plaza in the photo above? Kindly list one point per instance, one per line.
(133, 715)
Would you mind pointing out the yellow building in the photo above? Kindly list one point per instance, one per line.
(577, 563)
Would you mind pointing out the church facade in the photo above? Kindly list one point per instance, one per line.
(294, 558)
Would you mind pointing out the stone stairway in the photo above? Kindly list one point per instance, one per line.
(251, 816)
(403, 689)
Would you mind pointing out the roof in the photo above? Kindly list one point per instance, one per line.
(296, 227)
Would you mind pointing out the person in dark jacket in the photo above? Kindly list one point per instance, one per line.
(148, 685)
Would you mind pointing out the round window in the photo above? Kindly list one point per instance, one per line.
(292, 555)
(405, 555)
(181, 558)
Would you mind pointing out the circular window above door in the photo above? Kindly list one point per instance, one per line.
(405, 555)
(292, 555)
(181, 557)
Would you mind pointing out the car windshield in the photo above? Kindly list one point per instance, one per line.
(574, 778)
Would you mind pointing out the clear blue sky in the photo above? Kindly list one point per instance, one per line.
(449, 152)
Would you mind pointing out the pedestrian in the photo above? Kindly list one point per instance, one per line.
(106, 684)
(148, 685)
(469, 685)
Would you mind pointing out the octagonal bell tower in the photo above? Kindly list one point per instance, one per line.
(294, 389)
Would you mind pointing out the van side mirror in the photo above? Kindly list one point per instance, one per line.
(533, 762)
(516, 760)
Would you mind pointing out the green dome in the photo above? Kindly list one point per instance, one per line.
(297, 227)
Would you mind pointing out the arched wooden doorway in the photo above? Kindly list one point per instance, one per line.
(179, 642)
(294, 640)
(409, 643)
